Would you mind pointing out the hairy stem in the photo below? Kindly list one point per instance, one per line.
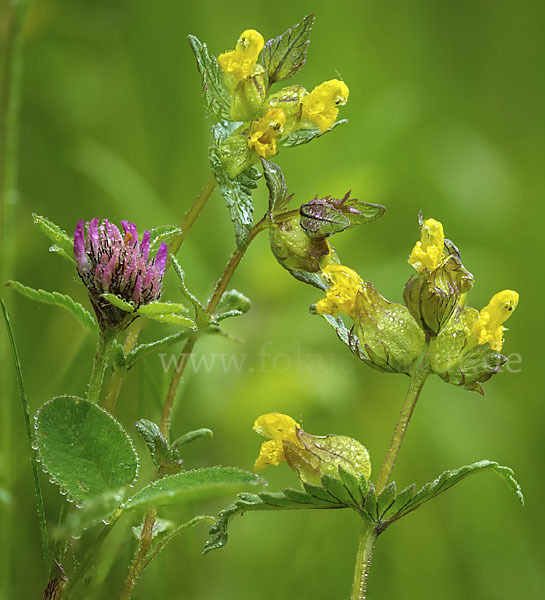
(418, 379)
(144, 545)
(119, 375)
(193, 213)
(219, 290)
(102, 357)
(366, 546)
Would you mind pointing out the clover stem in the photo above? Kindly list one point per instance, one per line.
(102, 357)
(366, 546)
(418, 378)
(146, 537)
(193, 213)
(220, 288)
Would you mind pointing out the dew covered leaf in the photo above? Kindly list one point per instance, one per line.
(284, 55)
(304, 136)
(86, 452)
(57, 299)
(191, 486)
(63, 244)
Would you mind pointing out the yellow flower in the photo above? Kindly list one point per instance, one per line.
(278, 428)
(345, 285)
(489, 325)
(428, 252)
(241, 61)
(320, 106)
(263, 133)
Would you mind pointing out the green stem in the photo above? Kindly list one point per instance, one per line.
(137, 565)
(366, 546)
(29, 434)
(102, 357)
(418, 379)
(193, 214)
(87, 560)
(219, 290)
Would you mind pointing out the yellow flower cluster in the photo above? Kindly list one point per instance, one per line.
(278, 428)
(489, 326)
(428, 252)
(265, 132)
(318, 108)
(345, 285)
(241, 61)
(321, 105)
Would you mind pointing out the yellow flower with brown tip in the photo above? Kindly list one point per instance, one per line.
(321, 105)
(428, 252)
(345, 285)
(241, 61)
(278, 428)
(489, 326)
(265, 132)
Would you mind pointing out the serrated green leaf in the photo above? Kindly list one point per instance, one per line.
(84, 449)
(304, 136)
(191, 486)
(447, 480)
(63, 244)
(119, 302)
(371, 503)
(319, 492)
(386, 498)
(284, 55)
(265, 501)
(143, 350)
(162, 308)
(56, 299)
(216, 95)
(172, 319)
(276, 184)
(311, 278)
(163, 233)
(352, 484)
(336, 488)
(348, 337)
(161, 453)
(237, 194)
(400, 502)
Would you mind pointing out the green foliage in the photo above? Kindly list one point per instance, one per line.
(304, 136)
(232, 304)
(349, 491)
(237, 194)
(408, 500)
(57, 299)
(348, 337)
(94, 511)
(142, 350)
(276, 183)
(86, 452)
(165, 458)
(201, 316)
(284, 55)
(192, 486)
(163, 233)
(62, 242)
(216, 96)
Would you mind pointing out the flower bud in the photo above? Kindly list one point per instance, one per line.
(325, 216)
(109, 262)
(310, 456)
(466, 352)
(432, 297)
(294, 249)
(387, 334)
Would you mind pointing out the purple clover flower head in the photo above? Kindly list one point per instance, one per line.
(115, 262)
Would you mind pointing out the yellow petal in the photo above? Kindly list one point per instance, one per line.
(428, 252)
(264, 133)
(270, 453)
(277, 426)
(489, 327)
(345, 284)
(241, 61)
(320, 106)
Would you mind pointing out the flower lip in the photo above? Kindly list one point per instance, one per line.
(112, 261)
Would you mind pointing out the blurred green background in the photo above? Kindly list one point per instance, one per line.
(446, 115)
